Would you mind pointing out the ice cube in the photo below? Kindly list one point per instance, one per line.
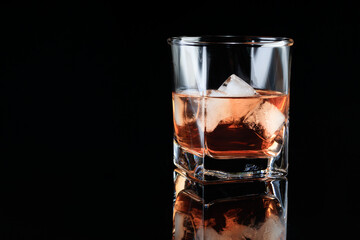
(220, 108)
(226, 110)
(265, 119)
(236, 87)
(186, 106)
(216, 110)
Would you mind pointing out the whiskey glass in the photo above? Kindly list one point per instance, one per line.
(231, 105)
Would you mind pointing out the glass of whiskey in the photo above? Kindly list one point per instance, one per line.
(231, 105)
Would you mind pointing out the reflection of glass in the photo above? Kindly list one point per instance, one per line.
(230, 105)
(240, 209)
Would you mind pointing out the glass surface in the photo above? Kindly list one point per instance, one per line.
(240, 209)
(231, 105)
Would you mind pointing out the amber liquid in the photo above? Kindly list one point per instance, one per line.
(222, 127)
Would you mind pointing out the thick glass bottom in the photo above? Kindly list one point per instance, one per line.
(205, 167)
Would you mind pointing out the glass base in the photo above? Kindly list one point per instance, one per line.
(208, 168)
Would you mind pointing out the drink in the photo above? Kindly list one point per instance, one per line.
(231, 127)
(230, 105)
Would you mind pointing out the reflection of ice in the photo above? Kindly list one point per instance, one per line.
(184, 228)
(271, 229)
(265, 119)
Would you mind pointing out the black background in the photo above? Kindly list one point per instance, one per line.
(86, 121)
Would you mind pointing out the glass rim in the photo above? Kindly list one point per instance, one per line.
(207, 40)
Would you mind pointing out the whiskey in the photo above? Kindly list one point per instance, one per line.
(231, 127)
